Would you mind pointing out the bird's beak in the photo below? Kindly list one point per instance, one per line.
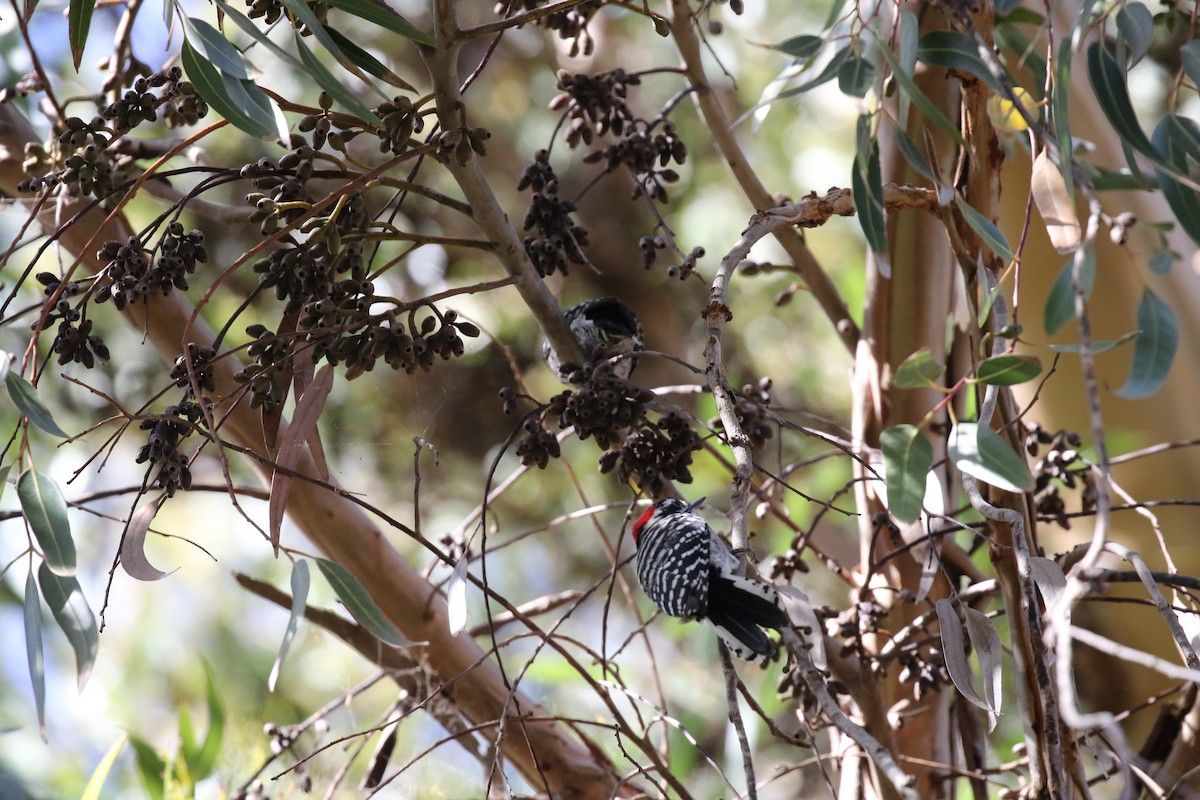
(696, 504)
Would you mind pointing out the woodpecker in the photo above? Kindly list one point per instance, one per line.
(690, 573)
(604, 327)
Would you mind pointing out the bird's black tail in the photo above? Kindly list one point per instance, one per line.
(740, 608)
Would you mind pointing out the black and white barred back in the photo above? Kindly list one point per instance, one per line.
(604, 327)
(689, 572)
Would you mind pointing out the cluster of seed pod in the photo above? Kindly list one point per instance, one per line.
(559, 238)
(162, 445)
(400, 120)
(604, 407)
(200, 359)
(595, 104)
(646, 156)
(655, 453)
(570, 24)
(538, 445)
(77, 343)
(461, 143)
(269, 354)
(272, 10)
(750, 408)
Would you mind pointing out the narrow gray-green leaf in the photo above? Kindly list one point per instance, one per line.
(856, 76)
(1008, 370)
(1049, 579)
(72, 613)
(1155, 348)
(827, 74)
(326, 80)
(4, 478)
(1097, 345)
(33, 650)
(381, 14)
(1161, 261)
(151, 768)
(1108, 82)
(300, 584)
(215, 87)
(212, 46)
(985, 641)
(24, 396)
(360, 604)
(1135, 24)
(1006, 6)
(301, 10)
(907, 458)
(133, 546)
(367, 61)
(866, 187)
(979, 452)
(957, 50)
(46, 512)
(1190, 55)
(912, 154)
(918, 371)
(801, 48)
(1060, 303)
(1060, 113)
(304, 421)
(79, 21)
(986, 230)
(919, 99)
(1178, 138)
(954, 652)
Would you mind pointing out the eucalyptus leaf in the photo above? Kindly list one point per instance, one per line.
(300, 585)
(360, 604)
(907, 459)
(381, 14)
(25, 397)
(73, 614)
(33, 650)
(1135, 25)
(918, 371)
(1060, 303)
(211, 45)
(228, 96)
(1155, 348)
(1108, 82)
(1008, 370)
(978, 451)
(802, 47)
(957, 51)
(79, 22)
(46, 512)
(986, 230)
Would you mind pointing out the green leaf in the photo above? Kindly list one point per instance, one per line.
(381, 14)
(1060, 114)
(1190, 55)
(914, 93)
(211, 45)
(1135, 26)
(1113, 95)
(986, 230)
(4, 478)
(367, 61)
(360, 604)
(1161, 261)
(918, 371)
(866, 187)
(856, 76)
(912, 154)
(907, 459)
(1060, 304)
(72, 613)
(33, 650)
(1008, 370)
(24, 396)
(314, 67)
(79, 20)
(300, 584)
(801, 48)
(1178, 138)
(229, 97)
(1098, 345)
(203, 760)
(1004, 7)
(151, 768)
(100, 774)
(1154, 350)
(957, 50)
(46, 512)
(827, 74)
(979, 452)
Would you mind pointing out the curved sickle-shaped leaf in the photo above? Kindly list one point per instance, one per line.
(979, 451)
(212, 46)
(1113, 95)
(239, 101)
(46, 511)
(1008, 370)
(986, 643)
(907, 458)
(100, 773)
(1155, 348)
(300, 584)
(866, 187)
(33, 650)
(304, 423)
(79, 21)
(133, 546)
(24, 396)
(957, 50)
(954, 651)
(1060, 303)
(367, 61)
(986, 230)
(326, 80)
(305, 14)
(360, 604)
(72, 613)
(1054, 203)
(381, 14)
